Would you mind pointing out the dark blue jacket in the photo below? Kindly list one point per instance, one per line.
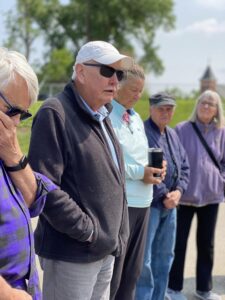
(180, 182)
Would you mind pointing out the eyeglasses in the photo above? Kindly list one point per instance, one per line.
(210, 104)
(107, 71)
(14, 110)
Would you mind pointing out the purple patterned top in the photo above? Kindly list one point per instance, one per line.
(17, 256)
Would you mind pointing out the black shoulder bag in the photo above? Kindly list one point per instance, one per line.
(208, 149)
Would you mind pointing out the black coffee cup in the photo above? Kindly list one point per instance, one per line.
(155, 159)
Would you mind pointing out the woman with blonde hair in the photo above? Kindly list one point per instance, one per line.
(203, 195)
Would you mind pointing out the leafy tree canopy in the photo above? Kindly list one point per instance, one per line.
(130, 25)
(59, 67)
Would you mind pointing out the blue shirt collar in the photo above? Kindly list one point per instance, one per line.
(100, 115)
(120, 109)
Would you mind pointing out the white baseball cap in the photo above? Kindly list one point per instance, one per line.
(103, 53)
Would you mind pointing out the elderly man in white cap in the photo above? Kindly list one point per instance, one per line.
(84, 224)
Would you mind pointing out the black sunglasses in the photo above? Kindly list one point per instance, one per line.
(107, 71)
(14, 110)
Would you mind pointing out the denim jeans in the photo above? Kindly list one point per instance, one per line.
(159, 254)
(77, 281)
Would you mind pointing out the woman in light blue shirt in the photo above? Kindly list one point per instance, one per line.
(129, 129)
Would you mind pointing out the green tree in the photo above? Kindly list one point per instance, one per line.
(129, 24)
(22, 23)
(59, 66)
(21, 28)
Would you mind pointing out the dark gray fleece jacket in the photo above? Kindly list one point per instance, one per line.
(69, 146)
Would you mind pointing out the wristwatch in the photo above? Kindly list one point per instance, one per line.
(20, 166)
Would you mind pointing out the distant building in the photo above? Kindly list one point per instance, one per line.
(208, 82)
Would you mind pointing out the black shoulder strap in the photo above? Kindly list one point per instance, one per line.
(204, 143)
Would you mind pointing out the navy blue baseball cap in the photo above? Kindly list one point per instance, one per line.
(160, 99)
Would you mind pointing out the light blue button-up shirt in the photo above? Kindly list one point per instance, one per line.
(134, 144)
(100, 115)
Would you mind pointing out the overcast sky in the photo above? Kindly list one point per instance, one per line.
(198, 40)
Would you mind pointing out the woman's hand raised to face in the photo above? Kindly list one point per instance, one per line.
(10, 151)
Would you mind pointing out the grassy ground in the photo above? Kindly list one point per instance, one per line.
(183, 110)
(24, 128)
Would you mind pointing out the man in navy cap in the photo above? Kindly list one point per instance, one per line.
(166, 195)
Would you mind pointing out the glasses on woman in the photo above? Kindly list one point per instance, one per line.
(14, 110)
(208, 103)
(107, 71)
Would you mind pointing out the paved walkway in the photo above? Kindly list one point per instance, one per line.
(219, 264)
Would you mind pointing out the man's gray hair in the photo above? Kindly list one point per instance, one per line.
(13, 63)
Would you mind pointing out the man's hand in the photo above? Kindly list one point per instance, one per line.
(172, 199)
